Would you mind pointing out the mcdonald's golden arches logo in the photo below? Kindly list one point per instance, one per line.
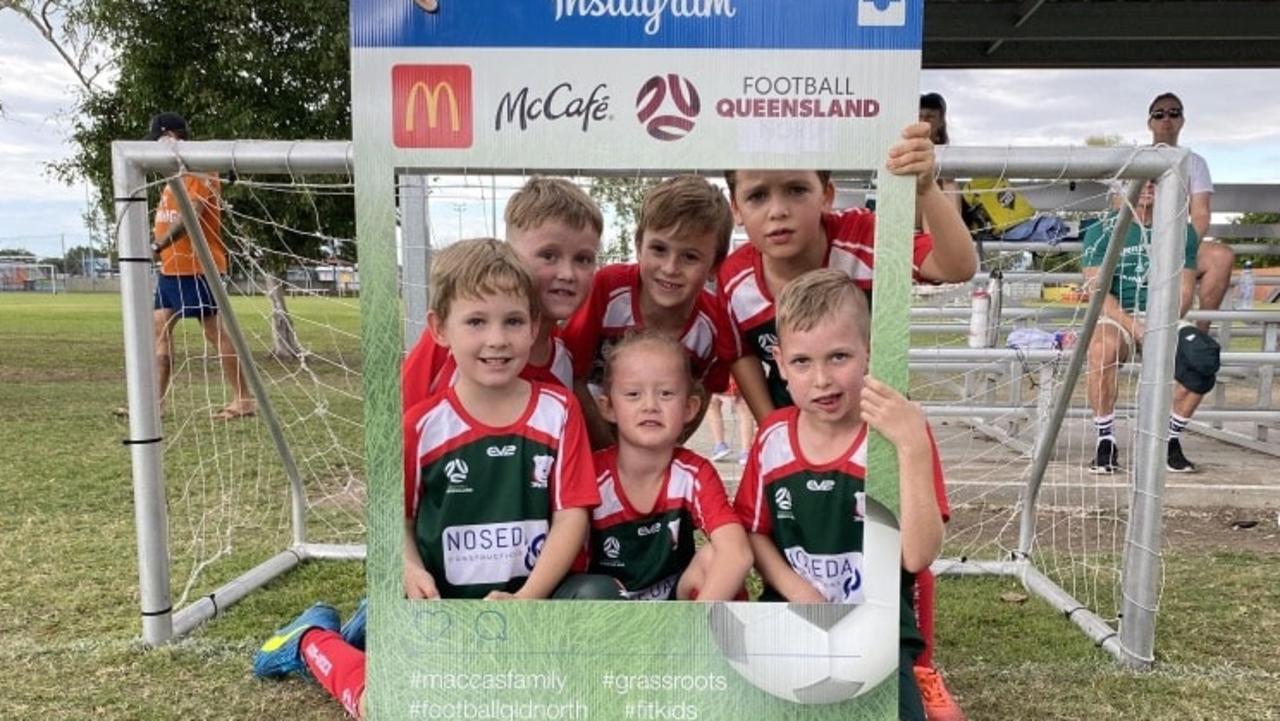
(431, 106)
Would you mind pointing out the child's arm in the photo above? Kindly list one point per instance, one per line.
(748, 372)
(903, 424)
(418, 582)
(954, 258)
(733, 560)
(778, 574)
(565, 539)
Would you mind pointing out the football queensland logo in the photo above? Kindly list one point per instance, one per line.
(431, 106)
(456, 470)
(667, 105)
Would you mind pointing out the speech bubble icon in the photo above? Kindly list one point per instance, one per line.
(491, 626)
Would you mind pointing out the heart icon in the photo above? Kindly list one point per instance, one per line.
(432, 624)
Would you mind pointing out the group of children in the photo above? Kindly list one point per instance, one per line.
(533, 360)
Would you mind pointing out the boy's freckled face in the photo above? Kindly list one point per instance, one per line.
(824, 367)
(675, 266)
(781, 210)
(489, 336)
(562, 260)
(649, 397)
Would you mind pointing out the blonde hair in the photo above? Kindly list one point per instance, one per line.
(642, 337)
(690, 204)
(819, 295)
(476, 268)
(542, 200)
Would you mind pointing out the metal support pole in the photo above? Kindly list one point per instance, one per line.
(415, 241)
(1266, 375)
(1143, 566)
(1062, 399)
(145, 443)
(1220, 390)
(191, 221)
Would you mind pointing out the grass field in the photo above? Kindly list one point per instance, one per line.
(69, 607)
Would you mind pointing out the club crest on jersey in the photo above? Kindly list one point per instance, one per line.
(674, 527)
(501, 451)
(535, 550)
(820, 486)
(860, 506)
(456, 471)
(542, 471)
(612, 548)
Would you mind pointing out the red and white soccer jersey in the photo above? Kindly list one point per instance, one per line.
(614, 308)
(813, 512)
(481, 498)
(647, 552)
(429, 365)
(750, 305)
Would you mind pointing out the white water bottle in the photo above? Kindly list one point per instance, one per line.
(978, 318)
(1244, 287)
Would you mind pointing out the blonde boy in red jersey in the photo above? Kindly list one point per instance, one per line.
(807, 536)
(682, 235)
(788, 220)
(555, 229)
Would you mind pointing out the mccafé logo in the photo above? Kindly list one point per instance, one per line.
(431, 106)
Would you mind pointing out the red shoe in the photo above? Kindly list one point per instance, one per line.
(939, 705)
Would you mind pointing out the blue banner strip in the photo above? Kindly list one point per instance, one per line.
(641, 24)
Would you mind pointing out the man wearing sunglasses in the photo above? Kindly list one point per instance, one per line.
(1165, 118)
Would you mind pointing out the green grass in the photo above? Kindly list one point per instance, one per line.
(69, 607)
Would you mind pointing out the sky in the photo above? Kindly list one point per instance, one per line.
(1231, 121)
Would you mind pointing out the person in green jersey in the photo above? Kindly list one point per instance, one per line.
(803, 493)
(655, 494)
(1121, 327)
(498, 477)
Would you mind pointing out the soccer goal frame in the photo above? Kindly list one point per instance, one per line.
(1132, 642)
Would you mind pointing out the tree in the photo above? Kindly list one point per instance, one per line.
(235, 69)
(18, 253)
(624, 196)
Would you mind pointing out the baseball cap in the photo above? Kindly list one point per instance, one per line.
(162, 123)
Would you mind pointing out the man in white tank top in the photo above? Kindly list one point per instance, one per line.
(1165, 118)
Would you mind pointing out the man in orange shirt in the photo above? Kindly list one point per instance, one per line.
(181, 289)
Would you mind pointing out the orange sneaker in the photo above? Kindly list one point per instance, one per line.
(939, 705)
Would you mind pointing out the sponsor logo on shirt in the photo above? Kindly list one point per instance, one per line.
(542, 471)
(820, 486)
(649, 530)
(837, 576)
(501, 451)
(483, 553)
(659, 591)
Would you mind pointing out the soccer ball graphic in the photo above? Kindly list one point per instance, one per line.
(821, 653)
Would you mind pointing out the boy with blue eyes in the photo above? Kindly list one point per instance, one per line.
(682, 235)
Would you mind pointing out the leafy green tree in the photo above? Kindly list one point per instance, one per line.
(623, 196)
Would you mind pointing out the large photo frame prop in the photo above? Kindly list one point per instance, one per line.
(579, 87)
